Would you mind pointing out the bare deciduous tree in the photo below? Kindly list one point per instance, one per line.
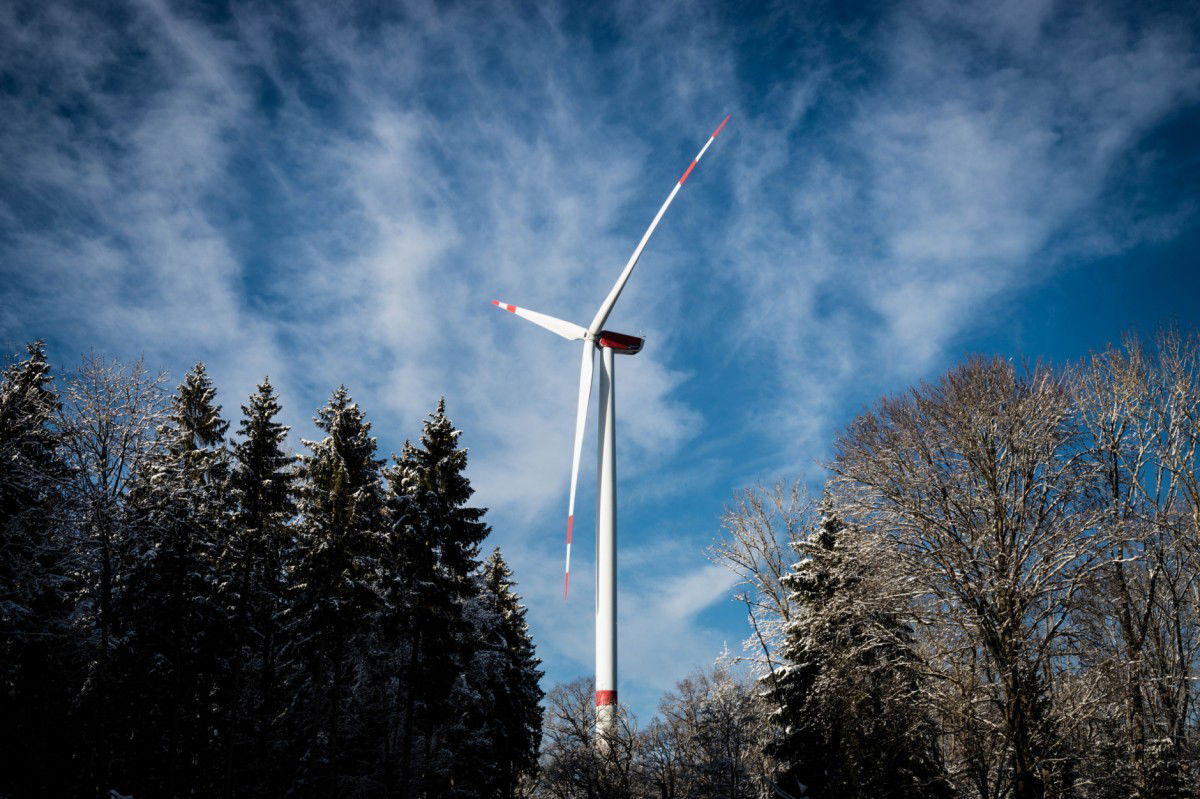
(574, 765)
(980, 481)
(709, 740)
(761, 533)
(109, 415)
(1140, 633)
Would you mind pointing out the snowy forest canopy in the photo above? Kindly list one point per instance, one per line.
(996, 596)
(185, 615)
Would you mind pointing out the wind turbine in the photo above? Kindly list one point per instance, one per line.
(609, 343)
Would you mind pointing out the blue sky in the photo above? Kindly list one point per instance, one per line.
(333, 193)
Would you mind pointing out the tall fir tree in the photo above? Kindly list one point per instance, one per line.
(434, 536)
(801, 752)
(849, 722)
(30, 474)
(175, 649)
(262, 488)
(335, 587)
(443, 491)
(34, 652)
(501, 690)
(409, 584)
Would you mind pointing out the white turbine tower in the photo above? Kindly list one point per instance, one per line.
(608, 343)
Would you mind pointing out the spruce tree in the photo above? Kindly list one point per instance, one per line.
(30, 472)
(442, 493)
(174, 651)
(262, 487)
(335, 585)
(33, 616)
(501, 691)
(849, 722)
(433, 541)
(800, 748)
(409, 582)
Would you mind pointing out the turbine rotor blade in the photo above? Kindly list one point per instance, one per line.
(607, 306)
(568, 330)
(585, 391)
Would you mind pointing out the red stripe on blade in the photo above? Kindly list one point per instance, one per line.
(691, 166)
(606, 698)
(566, 582)
(723, 121)
(510, 308)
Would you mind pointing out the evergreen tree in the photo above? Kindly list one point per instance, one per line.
(442, 491)
(252, 565)
(500, 691)
(30, 472)
(848, 722)
(174, 651)
(335, 585)
(392, 655)
(433, 545)
(800, 748)
(33, 615)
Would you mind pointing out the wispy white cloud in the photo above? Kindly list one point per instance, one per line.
(948, 181)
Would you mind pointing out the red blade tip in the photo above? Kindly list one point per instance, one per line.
(723, 121)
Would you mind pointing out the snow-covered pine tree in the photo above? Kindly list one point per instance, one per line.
(30, 475)
(442, 493)
(262, 487)
(501, 691)
(334, 590)
(848, 721)
(799, 748)
(522, 695)
(34, 694)
(407, 580)
(174, 652)
(433, 545)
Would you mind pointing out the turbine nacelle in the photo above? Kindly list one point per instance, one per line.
(620, 343)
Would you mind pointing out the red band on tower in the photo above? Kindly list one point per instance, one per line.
(604, 698)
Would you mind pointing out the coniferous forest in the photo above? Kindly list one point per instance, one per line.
(187, 612)
(995, 596)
